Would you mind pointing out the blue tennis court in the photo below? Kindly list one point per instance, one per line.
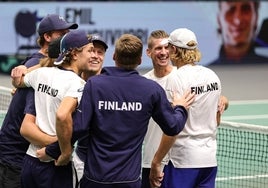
(250, 111)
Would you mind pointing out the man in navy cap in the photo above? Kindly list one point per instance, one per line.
(100, 48)
(12, 145)
(95, 66)
(54, 22)
(57, 90)
(50, 28)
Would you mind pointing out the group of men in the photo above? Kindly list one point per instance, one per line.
(107, 116)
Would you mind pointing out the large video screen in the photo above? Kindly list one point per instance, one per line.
(212, 23)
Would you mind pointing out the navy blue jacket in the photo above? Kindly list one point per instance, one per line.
(114, 112)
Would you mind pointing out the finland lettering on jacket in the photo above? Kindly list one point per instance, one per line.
(119, 106)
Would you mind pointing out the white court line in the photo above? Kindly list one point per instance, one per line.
(241, 177)
(264, 101)
(244, 117)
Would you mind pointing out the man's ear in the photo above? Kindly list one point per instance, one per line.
(74, 54)
(148, 52)
(174, 48)
(47, 37)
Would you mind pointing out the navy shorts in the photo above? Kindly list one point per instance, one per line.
(37, 174)
(189, 177)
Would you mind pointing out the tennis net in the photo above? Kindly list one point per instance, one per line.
(242, 156)
(5, 98)
(242, 151)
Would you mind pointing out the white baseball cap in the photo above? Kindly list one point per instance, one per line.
(181, 37)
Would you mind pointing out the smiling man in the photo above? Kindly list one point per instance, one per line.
(237, 25)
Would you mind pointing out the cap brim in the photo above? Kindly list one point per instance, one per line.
(102, 43)
(59, 60)
(59, 27)
(164, 42)
(73, 26)
(67, 26)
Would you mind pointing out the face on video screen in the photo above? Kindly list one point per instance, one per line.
(237, 22)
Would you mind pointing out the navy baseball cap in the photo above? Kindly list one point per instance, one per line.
(53, 22)
(71, 40)
(97, 38)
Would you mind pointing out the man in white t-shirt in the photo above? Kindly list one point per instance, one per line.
(158, 52)
(57, 90)
(192, 158)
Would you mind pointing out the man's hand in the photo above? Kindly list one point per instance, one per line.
(223, 104)
(186, 100)
(156, 175)
(17, 73)
(42, 156)
(63, 159)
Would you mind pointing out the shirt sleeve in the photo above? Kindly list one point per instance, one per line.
(30, 78)
(29, 105)
(76, 89)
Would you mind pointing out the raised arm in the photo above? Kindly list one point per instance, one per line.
(17, 75)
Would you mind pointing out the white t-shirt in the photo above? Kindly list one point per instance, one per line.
(196, 145)
(154, 133)
(51, 85)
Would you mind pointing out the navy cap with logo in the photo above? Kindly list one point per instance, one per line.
(54, 22)
(97, 38)
(71, 40)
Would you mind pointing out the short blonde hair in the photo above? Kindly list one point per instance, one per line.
(156, 34)
(128, 51)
